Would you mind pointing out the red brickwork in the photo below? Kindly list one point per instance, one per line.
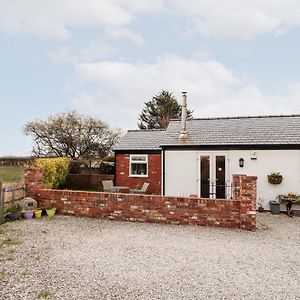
(33, 181)
(247, 194)
(235, 213)
(154, 173)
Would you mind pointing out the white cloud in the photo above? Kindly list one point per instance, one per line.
(119, 32)
(234, 18)
(213, 90)
(63, 55)
(57, 18)
(211, 18)
(94, 52)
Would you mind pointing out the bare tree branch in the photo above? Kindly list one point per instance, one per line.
(71, 135)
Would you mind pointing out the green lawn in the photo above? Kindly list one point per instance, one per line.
(11, 173)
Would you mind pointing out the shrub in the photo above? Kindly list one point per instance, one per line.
(55, 171)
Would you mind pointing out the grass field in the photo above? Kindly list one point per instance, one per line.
(8, 174)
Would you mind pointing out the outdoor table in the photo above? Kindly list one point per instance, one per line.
(121, 189)
(289, 203)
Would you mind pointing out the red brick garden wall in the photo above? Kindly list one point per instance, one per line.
(235, 213)
(154, 173)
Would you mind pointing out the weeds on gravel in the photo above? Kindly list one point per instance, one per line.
(44, 294)
(10, 258)
(24, 273)
(2, 274)
(11, 242)
(3, 229)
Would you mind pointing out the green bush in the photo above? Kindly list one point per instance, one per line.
(55, 171)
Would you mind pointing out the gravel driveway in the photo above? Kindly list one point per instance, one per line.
(80, 258)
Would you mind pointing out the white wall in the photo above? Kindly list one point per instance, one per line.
(287, 162)
(182, 173)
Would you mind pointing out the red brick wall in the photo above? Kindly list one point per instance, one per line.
(235, 213)
(247, 196)
(154, 173)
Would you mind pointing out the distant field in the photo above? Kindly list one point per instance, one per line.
(11, 173)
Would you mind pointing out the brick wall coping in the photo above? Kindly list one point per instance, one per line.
(79, 192)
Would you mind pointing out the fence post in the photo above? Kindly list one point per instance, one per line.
(13, 196)
(1, 204)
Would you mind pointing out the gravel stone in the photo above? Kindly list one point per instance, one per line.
(83, 258)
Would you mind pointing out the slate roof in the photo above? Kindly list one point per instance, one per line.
(235, 131)
(141, 140)
(260, 130)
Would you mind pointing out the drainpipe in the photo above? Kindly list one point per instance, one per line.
(183, 132)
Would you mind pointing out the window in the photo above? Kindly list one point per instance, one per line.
(138, 165)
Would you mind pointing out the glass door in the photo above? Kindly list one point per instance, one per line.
(212, 175)
(205, 188)
(220, 177)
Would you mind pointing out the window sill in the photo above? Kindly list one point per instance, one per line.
(138, 176)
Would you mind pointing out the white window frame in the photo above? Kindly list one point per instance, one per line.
(136, 162)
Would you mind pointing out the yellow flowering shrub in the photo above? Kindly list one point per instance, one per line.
(55, 171)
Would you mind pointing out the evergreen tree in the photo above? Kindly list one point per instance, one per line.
(158, 112)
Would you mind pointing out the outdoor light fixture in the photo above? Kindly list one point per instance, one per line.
(241, 162)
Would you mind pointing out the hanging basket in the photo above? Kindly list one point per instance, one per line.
(275, 179)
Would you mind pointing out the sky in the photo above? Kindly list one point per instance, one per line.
(105, 58)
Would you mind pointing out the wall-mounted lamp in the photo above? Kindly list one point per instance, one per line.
(241, 162)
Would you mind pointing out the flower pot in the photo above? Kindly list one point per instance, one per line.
(13, 216)
(261, 209)
(51, 212)
(28, 214)
(274, 179)
(38, 213)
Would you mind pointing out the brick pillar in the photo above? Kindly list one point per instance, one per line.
(246, 186)
(33, 181)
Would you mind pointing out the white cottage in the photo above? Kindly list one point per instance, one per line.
(213, 149)
(199, 156)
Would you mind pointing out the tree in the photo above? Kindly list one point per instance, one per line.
(71, 135)
(158, 112)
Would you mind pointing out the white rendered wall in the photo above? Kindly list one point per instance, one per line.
(287, 162)
(182, 171)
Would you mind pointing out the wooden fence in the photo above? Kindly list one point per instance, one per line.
(10, 194)
(1, 204)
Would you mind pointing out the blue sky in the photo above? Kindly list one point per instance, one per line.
(107, 57)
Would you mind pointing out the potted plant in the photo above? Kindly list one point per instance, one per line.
(289, 199)
(51, 212)
(275, 178)
(260, 207)
(28, 214)
(38, 213)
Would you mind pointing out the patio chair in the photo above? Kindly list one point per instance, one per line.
(108, 186)
(143, 190)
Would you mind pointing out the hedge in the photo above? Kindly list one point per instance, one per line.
(55, 171)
